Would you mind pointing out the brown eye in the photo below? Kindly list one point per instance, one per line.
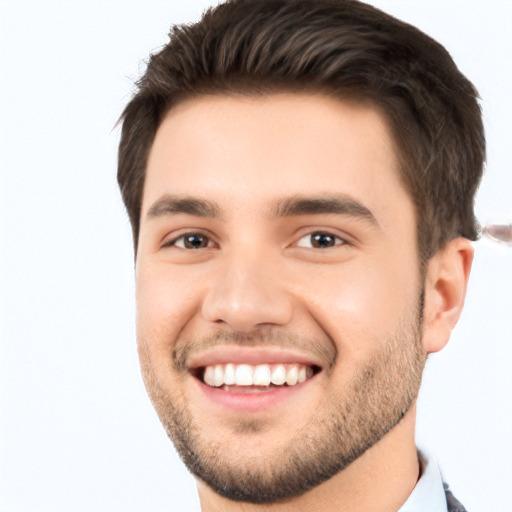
(190, 241)
(195, 241)
(320, 240)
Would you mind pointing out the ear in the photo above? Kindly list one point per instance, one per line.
(445, 290)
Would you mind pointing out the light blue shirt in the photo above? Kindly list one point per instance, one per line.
(428, 495)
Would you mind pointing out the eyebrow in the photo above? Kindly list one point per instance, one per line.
(295, 206)
(172, 205)
(338, 205)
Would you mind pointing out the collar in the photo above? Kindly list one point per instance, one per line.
(429, 491)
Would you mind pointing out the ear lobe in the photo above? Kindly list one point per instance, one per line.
(445, 290)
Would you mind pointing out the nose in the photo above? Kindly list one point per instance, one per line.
(247, 293)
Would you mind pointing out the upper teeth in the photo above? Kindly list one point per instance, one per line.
(256, 375)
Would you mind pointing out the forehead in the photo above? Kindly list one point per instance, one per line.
(249, 152)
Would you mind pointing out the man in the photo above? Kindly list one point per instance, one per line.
(300, 176)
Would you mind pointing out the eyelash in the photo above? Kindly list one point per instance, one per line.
(174, 241)
(338, 241)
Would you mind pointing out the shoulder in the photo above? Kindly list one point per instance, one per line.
(454, 505)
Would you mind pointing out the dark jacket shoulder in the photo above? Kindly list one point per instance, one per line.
(454, 505)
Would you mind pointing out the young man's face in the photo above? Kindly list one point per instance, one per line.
(277, 243)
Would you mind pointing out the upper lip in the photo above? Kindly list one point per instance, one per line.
(251, 355)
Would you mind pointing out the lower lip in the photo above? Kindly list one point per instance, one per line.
(251, 401)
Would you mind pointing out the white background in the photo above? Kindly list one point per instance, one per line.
(78, 433)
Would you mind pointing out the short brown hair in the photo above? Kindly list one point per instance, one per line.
(344, 48)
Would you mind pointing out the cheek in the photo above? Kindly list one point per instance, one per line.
(360, 304)
(165, 302)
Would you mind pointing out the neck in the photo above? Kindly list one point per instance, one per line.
(380, 480)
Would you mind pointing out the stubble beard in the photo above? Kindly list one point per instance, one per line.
(358, 417)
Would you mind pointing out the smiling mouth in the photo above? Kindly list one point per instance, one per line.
(244, 378)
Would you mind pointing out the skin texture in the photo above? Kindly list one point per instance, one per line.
(231, 171)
